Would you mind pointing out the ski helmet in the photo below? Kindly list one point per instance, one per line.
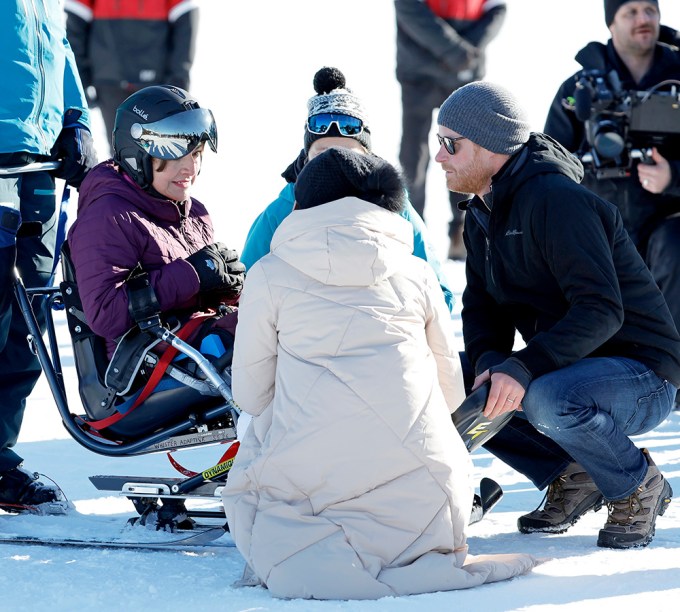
(162, 122)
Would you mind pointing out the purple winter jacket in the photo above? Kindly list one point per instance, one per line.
(120, 226)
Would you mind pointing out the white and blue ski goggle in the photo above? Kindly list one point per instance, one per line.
(346, 124)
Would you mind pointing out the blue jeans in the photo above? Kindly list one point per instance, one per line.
(591, 407)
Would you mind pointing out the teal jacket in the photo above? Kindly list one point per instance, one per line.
(261, 231)
(40, 79)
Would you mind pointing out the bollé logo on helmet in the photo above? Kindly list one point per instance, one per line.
(140, 112)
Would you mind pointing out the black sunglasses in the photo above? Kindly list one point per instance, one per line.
(449, 143)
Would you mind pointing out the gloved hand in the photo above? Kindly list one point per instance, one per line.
(219, 270)
(75, 149)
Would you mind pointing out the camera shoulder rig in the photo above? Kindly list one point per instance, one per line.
(621, 125)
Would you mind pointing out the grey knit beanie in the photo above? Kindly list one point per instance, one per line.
(488, 115)
(611, 6)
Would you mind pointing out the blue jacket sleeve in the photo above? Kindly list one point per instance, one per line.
(423, 249)
(259, 238)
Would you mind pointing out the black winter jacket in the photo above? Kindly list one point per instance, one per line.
(641, 210)
(552, 260)
(447, 52)
(133, 45)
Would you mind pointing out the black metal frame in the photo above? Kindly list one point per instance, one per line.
(51, 366)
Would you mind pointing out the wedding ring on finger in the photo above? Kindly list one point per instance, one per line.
(645, 182)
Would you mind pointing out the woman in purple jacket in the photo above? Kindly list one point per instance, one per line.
(135, 214)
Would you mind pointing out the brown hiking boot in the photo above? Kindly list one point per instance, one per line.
(631, 521)
(569, 497)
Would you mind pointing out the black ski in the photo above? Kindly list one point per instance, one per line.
(205, 540)
(490, 493)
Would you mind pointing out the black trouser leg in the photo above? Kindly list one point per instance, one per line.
(19, 368)
(109, 98)
(663, 260)
(418, 100)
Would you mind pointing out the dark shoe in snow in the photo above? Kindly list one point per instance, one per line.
(632, 520)
(22, 493)
(569, 497)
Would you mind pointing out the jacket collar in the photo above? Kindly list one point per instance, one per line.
(106, 179)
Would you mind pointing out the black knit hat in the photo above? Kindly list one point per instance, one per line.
(611, 6)
(333, 97)
(339, 173)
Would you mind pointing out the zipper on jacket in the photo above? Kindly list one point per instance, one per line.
(182, 217)
(41, 68)
(477, 212)
(488, 237)
(488, 260)
(181, 209)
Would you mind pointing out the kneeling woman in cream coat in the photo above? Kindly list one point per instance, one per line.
(351, 481)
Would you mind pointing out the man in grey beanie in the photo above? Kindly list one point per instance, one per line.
(550, 260)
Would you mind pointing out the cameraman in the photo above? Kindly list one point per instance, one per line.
(643, 54)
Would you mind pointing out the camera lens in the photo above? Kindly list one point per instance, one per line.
(608, 141)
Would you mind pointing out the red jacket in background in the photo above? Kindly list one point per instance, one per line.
(133, 43)
(458, 9)
(444, 41)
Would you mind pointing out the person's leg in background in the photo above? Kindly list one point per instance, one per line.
(109, 98)
(457, 250)
(19, 368)
(418, 100)
(663, 260)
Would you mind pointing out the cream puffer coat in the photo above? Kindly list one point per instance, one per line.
(351, 481)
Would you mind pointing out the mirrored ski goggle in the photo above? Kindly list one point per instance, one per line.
(347, 126)
(177, 135)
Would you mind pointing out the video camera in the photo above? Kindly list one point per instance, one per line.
(624, 125)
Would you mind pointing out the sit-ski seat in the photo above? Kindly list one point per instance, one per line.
(171, 401)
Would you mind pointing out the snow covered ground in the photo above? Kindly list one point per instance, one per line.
(254, 68)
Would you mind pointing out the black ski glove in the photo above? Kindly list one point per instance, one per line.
(75, 150)
(219, 270)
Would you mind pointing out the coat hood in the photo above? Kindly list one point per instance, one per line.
(343, 243)
(548, 157)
